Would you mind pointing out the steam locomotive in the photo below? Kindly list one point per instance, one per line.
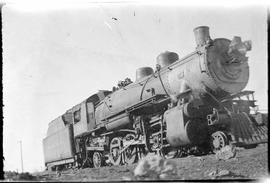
(186, 106)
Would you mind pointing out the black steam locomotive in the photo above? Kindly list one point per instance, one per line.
(189, 105)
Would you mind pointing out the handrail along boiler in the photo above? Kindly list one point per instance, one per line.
(188, 105)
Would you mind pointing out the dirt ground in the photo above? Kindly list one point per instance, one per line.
(248, 164)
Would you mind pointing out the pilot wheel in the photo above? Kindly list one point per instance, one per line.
(169, 153)
(97, 159)
(219, 140)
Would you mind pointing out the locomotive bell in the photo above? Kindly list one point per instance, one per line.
(167, 58)
(202, 35)
(143, 72)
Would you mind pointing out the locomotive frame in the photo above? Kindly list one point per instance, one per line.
(187, 106)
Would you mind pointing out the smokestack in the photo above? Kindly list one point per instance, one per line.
(202, 36)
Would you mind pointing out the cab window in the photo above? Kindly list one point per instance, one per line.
(77, 116)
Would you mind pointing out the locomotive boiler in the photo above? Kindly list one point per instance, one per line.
(190, 105)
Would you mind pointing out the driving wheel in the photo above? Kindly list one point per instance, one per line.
(130, 152)
(115, 148)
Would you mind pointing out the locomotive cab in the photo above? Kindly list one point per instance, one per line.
(84, 113)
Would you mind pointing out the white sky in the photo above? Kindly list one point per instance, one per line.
(55, 58)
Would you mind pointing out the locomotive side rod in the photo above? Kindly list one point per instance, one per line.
(131, 143)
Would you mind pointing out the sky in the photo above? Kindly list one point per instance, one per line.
(55, 57)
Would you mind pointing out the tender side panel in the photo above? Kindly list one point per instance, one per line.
(55, 126)
(59, 146)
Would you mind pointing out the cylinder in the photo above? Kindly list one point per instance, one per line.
(167, 58)
(191, 111)
(181, 132)
(143, 72)
(201, 35)
(196, 131)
